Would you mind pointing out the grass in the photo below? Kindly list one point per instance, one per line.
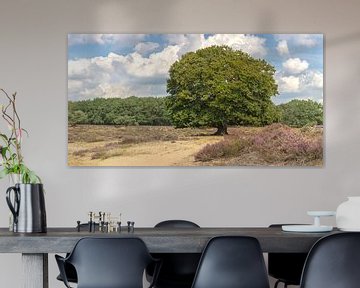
(110, 140)
(131, 134)
(274, 145)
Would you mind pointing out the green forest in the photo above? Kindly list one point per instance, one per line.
(116, 111)
(153, 111)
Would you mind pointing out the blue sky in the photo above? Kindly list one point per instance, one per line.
(122, 65)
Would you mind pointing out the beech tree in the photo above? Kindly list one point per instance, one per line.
(218, 86)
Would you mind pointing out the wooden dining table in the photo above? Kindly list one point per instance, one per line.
(35, 247)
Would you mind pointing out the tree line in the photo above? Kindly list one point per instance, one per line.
(215, 86)
(116, 111)
(153, 111)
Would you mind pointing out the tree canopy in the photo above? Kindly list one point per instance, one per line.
(218, 86)
(299, 113)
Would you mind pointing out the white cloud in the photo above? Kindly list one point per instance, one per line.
(251, 44)
(282, 48)
(146, 47)
(307, 40)
(295, 65)
(289, 84)
(156, 64)
(120, 76)
(78, 69)
(317, 80)
(307, 85)
(312, 79)
(74, 87)
(112, 90)
(304, 40)
(186, 42)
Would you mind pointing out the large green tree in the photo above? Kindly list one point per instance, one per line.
(218, 86)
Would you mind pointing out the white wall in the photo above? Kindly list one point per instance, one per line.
(33, 62)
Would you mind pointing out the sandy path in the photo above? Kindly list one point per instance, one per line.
(176, 153)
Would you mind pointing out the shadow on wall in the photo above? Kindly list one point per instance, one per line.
(344, 39)
(129, 16)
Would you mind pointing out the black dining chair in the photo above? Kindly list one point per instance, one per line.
(232, 262)
(70, 271)
(286, 267)
(108, 263)
(333, 262)
(178, 269)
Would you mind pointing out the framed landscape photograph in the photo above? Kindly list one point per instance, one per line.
(195, 100)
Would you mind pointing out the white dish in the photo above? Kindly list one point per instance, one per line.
(306, 228)
(321, 213)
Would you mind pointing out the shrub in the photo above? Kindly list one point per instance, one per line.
(276, 144)
(225, 148)
(280, 141)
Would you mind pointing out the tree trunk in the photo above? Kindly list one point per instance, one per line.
(221, 130)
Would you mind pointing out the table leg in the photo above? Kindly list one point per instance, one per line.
(35, 270)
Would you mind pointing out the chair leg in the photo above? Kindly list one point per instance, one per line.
(278, 282)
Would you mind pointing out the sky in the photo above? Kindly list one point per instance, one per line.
(123, 65)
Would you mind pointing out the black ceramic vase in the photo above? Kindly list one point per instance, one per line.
(28, 208)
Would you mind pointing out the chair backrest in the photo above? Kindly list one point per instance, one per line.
(176, 224)
(333, 262)
(178, 269)
(232, 262)
(110, 262)
(286, 266)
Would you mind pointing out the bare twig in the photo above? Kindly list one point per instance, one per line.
(14, 123)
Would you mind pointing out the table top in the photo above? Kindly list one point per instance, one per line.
(158, 240)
